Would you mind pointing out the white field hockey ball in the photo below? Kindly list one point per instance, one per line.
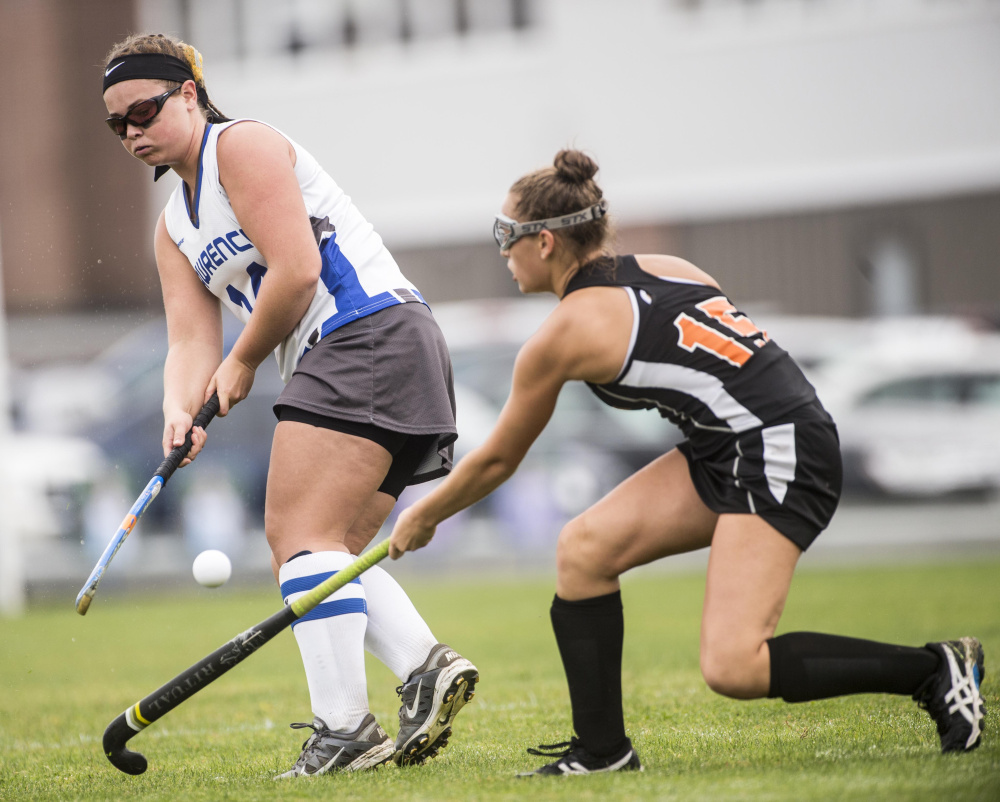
(211, 568)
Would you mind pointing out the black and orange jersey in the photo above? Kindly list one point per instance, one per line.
(694, 357)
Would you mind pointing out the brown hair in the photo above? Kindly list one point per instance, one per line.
(159, 43)
(566, 187)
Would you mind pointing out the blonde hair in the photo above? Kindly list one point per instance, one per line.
(170, 46)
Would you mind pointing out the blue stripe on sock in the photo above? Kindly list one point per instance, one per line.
(332, 608)
(304, 583)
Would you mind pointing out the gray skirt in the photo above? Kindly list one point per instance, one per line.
(390, 369)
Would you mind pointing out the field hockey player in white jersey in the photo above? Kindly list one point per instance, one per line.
(256, 225)
(756, 480)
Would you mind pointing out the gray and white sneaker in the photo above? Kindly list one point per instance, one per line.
(367, 747)
(431, 698)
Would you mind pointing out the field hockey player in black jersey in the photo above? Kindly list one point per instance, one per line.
(756, 480)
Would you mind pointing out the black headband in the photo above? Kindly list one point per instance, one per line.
(154, 66)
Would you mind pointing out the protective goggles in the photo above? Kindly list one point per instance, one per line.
(140, 115)
(507, 231)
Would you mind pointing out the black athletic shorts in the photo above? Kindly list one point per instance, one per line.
(408, 450)
(788, 472)
(386, 377)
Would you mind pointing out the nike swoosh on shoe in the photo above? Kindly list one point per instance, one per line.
(411, 711)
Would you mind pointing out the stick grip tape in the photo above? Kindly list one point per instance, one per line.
(175, 457)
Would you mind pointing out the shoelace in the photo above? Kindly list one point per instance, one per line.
(554, 750)
(299, 725)
(962, 694)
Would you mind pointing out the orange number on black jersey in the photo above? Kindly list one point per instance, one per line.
(695, 334)
(722, 310)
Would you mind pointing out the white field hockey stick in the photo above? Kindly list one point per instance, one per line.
(161, 701)
(164, 472)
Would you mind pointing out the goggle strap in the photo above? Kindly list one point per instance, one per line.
(595, 212)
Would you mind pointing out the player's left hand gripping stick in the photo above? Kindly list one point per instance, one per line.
(189, 682)
(164, 472)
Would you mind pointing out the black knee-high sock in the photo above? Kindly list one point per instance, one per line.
(810, 665)
(590, 633)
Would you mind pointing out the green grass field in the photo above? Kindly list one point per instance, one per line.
(63, 678)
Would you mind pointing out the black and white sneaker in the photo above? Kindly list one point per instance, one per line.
(574, 759)
(431, 698)
(951, 694)
(367, 747)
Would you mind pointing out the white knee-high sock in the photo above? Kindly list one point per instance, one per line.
(396, 634)
(331, 639)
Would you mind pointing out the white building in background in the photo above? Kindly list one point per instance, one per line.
(700, 113)
(817, 156)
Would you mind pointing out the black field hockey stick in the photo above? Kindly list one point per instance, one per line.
(186, 684)
(164, 472)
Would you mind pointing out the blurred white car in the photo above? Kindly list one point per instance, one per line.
(918, 408)
(47, 479)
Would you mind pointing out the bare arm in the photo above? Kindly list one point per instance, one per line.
(574, 343)
(534, 391)
(194, 338)
(256, 167)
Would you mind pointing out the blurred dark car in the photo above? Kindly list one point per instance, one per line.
(239, 445)
(587, 448)
(115, 401)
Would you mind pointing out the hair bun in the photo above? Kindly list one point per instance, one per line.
(574, 166)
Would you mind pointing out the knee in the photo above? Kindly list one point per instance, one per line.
(273, 528)
(282, 538)
(580, 551)
(730, 671)
(571, 547)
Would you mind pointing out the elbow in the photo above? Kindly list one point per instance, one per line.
(497, 468)
(309, 271)
(300, 281)
(299, 273)
(306, 288)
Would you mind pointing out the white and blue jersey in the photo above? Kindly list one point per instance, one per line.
(358, 277)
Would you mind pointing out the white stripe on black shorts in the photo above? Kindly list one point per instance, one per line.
(390, 369)
(788, 472)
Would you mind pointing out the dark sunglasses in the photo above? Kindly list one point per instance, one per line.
(141, 114)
